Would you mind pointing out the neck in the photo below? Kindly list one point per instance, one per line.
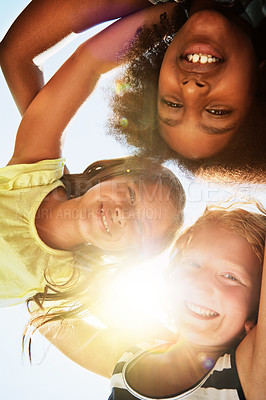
(190, 363)
(56, 223)
(210, 352)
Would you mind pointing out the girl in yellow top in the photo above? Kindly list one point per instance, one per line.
(55, 230)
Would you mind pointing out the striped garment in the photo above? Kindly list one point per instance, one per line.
(220, 383)
(253, 11)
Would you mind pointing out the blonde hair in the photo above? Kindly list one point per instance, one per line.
(249, 225)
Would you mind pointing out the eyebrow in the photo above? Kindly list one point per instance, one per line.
(210, 130)
(213, 130)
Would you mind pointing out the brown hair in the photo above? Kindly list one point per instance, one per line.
(141, 169)
(95, 268)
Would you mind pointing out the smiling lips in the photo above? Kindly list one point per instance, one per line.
(200, 57)
(201, 311)
(204, 49)
(104, 220)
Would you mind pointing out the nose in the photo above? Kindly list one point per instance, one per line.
(202, 282)
(194, 87)
(119, 217)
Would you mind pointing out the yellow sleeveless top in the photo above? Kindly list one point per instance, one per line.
(23, 255)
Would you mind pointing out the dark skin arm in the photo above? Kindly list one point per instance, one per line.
(40, 132)
(41, 25)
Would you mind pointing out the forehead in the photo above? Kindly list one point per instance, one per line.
(216, 242)
(222, 237)
(192, 142)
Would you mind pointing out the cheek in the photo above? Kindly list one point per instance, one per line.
(130, 238)
(94, 192)
(160, 220)
(180, 284)
(241, 87)
(236, 303)
(168, 77)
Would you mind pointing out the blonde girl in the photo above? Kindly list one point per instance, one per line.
(217, 301)
(214, 291)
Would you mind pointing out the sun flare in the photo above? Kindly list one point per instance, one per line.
(136, 297)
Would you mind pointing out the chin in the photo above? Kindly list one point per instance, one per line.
(209, 16)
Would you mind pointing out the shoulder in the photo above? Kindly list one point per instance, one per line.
(42, 173)
(142, 369)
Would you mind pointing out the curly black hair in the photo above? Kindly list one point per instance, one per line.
(134, 110)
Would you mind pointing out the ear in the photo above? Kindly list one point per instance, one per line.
(248, 326)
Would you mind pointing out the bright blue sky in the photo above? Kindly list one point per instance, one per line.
(56, 376)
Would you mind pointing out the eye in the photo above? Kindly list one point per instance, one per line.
(231, 277)
(132, 195)
(218, 112)
(172, 104)
(191, 264)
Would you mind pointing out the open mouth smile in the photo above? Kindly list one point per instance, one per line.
(104, 220)
(201, 58)
(201, 311)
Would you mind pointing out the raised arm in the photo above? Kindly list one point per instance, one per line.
(41, 25)
(39, 134)
(250, 355)
(99, 349)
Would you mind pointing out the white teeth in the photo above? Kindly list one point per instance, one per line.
(104, 220)
(201, 58)
(201, 311)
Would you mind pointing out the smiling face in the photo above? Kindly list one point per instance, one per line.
(123, 214)
(206, 85)
(215, 287)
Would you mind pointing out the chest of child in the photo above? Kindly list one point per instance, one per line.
(220, 383)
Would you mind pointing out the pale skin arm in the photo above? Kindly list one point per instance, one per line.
(250, 354)
(40, 132)
(98, 349)
(41, 25)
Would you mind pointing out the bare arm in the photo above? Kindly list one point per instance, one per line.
(250, 355)
(98, 349)
(40, 132)
(40, 26)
